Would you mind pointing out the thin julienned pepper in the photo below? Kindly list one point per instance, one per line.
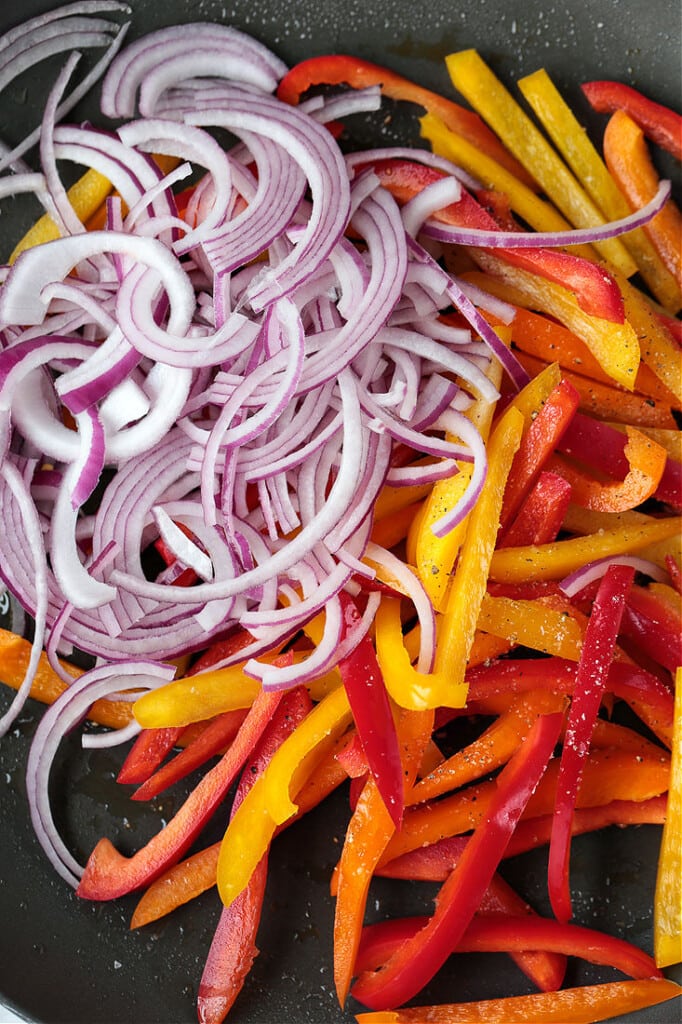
(372, 713)
(368, 833)
(458, 624)
(217, 735)
(655, 626)
(147, 753)
(660, 124)
(486, 94)
(674, 572)
(109, 874)
(197, 697)
(586, 1005)
(418, 959)
(538, 443)
(391, 529)
(668, 897)
(554, 561)
(233, 947)
(593, 668)
(339, 69)
(627, 158)
(574, 144)
(533, 623)
(541, 515)
(646, 464)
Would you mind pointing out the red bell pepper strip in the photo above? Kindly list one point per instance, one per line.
(220, 651)
(507, 933)
(371, 707)
(417, 960)
(233, 948)
(674, 572)
(593, 668)
(538, 443)
(660, 124)
(109, 874)
(541, 515)
(217, 735)
(339, 69)
(596, 292)
(654, 626)
(147, 753)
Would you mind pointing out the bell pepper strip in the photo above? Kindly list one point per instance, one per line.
(674, 572)
(586, 1005)
(660, 124)
(614, 345)
(233, 948)
(147, 753)
(609, 775)
(627, 158)
(197, 697)
(492, 749)
(541, 515)
(409, 688)
(418, 959)
(646, 464)
(577, 149)
(47, 685)
(109, 874)
(658, 345)
(591, 678)
(483, 90)
(655, 626)
(368, 833)
(372, 714)
(339, 69)
(538, 443)
(538, 213)
(217, 735)
(391, 529)
(554, 561)
(269, 804)
(458, 624)
(533, 624)
(668, 896)
(610, 403)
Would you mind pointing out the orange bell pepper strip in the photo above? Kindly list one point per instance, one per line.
(109, 874)
(668, 896)
(646, 461)
(537, 445)
(339, 69)
(541, 515)
(368, 833)
(416, 961)
(472, 77)
(554, 561)
(47, 685)
(549, 626)
(628, 160)
(585, 1005)
(458, 624)
(659, 123)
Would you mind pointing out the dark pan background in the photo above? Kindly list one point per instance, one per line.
(63, 960)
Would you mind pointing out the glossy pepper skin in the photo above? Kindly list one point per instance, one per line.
(660, 124)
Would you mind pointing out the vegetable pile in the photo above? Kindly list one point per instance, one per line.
(317, 455)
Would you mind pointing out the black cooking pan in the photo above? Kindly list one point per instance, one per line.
(64, 960)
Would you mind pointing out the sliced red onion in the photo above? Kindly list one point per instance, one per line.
(412, 586)
(430, 200)
(586, 574)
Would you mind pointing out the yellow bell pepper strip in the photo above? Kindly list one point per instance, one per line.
(537, 445)
(492, 749)
(340, 69)
(614, 345)
(586, 1005)
(646, 463)
(368, 833)
(418, 959)
(541, 215)
(533, 623)
(15, 653)
(668, 898)
(372, 713)
(269, 803)
(196, 698)
(410, 689)
(554, 561)
(458, 624)
(541, 515)
(577, 149)
(628, 160)
(660, 124)
(593, 667)
(659, 346)
(109, 874)
(486, 94)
